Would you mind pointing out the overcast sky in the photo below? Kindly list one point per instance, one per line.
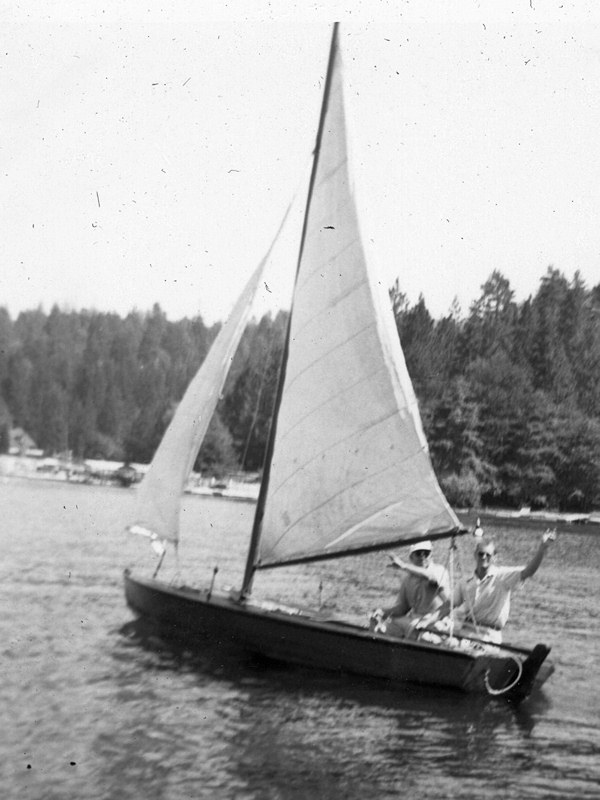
(149, 156)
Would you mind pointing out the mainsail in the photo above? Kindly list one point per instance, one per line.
(159, 497)
(350, 469)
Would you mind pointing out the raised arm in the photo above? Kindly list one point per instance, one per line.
(532, 567)
(422, 572)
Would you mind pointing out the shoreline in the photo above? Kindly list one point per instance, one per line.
(96, 473)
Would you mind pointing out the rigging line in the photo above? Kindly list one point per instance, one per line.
(452, 562)
(467, 598)
(259, 395)
(176, 578)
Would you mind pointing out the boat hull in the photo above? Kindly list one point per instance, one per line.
(296, 637)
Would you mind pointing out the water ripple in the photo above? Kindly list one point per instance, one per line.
(101, 707)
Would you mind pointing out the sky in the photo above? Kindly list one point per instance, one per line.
(148, 151)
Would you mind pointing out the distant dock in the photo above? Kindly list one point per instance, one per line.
(36, 466)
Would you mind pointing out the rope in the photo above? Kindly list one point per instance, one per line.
(263, 380)
(176, 579)
(467, 598)
(496, 692)
(451, 560)
(261, 387)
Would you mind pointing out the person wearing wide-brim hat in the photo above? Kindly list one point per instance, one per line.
(424, 589)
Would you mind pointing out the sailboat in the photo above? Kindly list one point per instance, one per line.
(347, 468)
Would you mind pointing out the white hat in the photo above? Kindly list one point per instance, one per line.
(420, 546)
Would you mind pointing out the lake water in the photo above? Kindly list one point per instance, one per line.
(93, 706)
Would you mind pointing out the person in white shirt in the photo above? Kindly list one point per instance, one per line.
(483, 600)
(422, 592)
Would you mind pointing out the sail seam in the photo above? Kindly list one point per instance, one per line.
(372, 424)
(364, 522)
(357, 525)
(325, 355)
(333, 171)
(330, 261)
(347, 488)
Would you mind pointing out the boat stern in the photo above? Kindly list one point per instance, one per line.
(513, 674)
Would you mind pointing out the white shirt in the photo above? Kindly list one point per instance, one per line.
(420, 595)
(487, 600)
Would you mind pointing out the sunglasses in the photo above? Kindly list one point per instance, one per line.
(485, 555)
(421, 553)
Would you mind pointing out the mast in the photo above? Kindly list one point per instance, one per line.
(262, 496)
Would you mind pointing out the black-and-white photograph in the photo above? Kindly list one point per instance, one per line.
(300, 401)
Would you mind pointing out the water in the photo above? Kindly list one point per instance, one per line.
(94, 706)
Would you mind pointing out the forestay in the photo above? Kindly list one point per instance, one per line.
(350, 468)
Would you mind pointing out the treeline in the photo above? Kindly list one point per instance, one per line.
(509, 394)
(99, 386)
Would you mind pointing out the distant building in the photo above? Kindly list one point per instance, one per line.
(20, 443)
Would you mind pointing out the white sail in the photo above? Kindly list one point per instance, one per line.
(350, 468)
(159, 497)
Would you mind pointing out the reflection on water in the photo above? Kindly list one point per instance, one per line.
(99, 707)
(307, 731)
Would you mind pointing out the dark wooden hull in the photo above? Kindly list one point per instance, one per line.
(297, 637)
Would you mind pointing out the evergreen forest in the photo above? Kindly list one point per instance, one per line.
(509, 393)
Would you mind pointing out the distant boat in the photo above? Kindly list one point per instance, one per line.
(347, 469)
(126, 475)
(525, 514)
